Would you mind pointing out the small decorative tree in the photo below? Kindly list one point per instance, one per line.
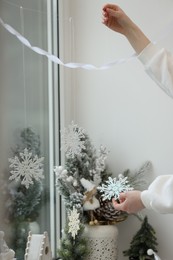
(81, 162)
(143, 240)
(25, 192)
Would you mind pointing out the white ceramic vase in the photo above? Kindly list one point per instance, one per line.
(34, 227)
(102, 242)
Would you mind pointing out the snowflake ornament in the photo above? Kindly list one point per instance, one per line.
(72, 142)
(114, 187)
(74, 222)
(26, 167)
(101, 160)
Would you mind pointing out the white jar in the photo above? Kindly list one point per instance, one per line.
(102, 242)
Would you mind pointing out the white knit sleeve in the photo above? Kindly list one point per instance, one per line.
(159, 66)
(159, 195)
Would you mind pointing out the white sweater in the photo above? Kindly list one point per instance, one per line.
(159, 66)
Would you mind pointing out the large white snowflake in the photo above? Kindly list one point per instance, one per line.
(26, 167)
(74, 222)
(72, 142)
(114, 187)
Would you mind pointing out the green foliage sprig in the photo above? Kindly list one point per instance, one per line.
(73, 249)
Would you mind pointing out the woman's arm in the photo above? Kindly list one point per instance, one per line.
(116, 19)
(158, 62)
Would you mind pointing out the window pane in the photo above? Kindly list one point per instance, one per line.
(24, 124)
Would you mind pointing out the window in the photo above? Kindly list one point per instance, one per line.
(29, 121)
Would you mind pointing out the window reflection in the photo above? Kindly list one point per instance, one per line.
(24, 124)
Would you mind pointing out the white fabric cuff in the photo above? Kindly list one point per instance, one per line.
(148, 52)
(145, 197)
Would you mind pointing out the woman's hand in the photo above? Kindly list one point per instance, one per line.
(129, 202)
(116, 19)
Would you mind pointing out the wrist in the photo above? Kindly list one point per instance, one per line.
(137, 38)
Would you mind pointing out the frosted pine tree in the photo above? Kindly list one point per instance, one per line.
(81, 161)
(25, 189)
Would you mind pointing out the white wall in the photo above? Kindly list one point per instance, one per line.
(121, 108)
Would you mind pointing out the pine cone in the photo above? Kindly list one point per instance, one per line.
(106, 213)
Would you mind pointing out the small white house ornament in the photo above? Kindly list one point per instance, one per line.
(38, 247)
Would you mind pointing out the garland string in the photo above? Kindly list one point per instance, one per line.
(73, 65)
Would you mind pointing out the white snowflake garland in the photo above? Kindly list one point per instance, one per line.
(26, 167)
(72, 142)
(74, 222)
(114, 187)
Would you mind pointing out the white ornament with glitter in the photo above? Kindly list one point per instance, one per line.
(72, 142)
(26, 167)
(114, 187)
(73, 224)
